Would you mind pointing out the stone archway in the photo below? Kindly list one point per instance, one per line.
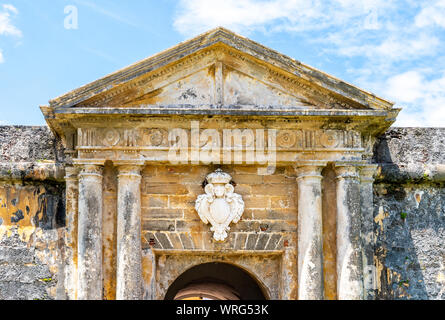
(215, 281)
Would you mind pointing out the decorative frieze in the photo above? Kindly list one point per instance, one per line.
(156, 138)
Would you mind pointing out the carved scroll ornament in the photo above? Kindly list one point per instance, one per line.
(219, 205)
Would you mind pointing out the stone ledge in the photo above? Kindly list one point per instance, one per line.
(411, 145)
(410, 173)
(33, 171)
(29, 144)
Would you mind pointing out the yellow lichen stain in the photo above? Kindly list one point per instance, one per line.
(211, 71)
(20, 204)
(148, 98)
(3, 231)
(109, 268)
(25, 233)
(380, 267)
(380, 217)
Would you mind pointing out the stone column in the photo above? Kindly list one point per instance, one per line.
(90, 284)
(70, 254)
(349, 248)
(310, 243)
(129, 252)
(367, 213)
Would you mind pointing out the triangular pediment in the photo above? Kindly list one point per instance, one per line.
(220, 68)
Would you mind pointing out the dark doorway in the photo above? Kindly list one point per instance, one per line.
(215, 281)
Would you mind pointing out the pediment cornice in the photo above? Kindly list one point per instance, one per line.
(318, 87)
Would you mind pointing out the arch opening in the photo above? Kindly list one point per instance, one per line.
(215, 281)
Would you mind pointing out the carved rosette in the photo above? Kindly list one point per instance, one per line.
(111, 137)
(157, 137)
(219, 205)
(286, 139)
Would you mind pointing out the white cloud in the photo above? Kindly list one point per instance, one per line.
(380, 40)
(195, 16)
(432, 14)
(6, 26)
(11, 8)
(392, 48)
(423, 98)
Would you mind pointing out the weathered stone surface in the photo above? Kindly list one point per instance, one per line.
(221, 83)
(129, 259)
(409, 230)
(30, 153)
(29, 144)
(411, 155)
(30, 265)
(90, 246)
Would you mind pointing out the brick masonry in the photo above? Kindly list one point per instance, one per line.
(170, 220)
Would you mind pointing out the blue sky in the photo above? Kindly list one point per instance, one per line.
(394, 49)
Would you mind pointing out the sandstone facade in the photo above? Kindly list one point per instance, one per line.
(101, 205)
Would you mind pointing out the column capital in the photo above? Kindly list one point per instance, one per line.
(309, 169)
(89, 168)
(129, 169)
(309, 172)
(367, 172)
(71, 173)
(346, 171)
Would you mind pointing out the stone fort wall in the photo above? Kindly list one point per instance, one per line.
(408, 223)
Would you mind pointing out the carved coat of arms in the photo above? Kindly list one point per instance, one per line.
(219, 205)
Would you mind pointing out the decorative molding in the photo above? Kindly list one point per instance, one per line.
(92, 139)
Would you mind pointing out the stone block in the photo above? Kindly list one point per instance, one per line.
(175, 240)
(262, 241)
(246, 226)
(191, 226)
(197, 238)
(155, 213)
(150, 241)
(273, 241)
(154, 201)
(251, 241)
(182, 202)
(275, 214)
(158, 225)
(254, 202)
(247, 179)
(283, 202)
(240, 241)
(186, 240)
(167, 189)
(270, 189)
(163, 240)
